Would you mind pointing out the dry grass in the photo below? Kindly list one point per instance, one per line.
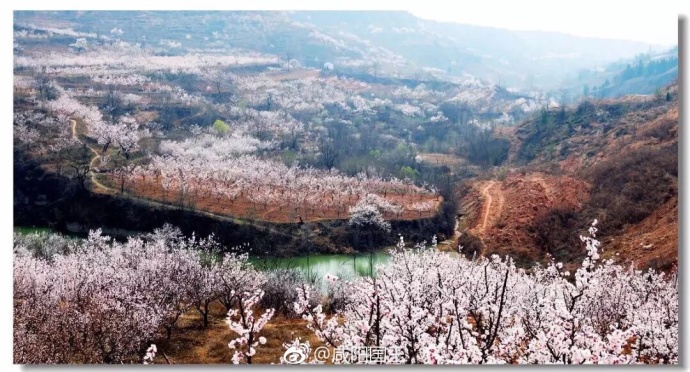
(192, 344)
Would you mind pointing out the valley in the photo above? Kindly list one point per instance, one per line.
(197, 187)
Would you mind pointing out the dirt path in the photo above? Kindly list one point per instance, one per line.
(100, 188)
(501, 200)
(493, 205)
(487, 204)
(109, 190)
(450, 244)
(73, 127)
(94, 180)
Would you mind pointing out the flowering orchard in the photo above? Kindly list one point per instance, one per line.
(190, 122)
(146, 117)
(442, 309)
(270, 190)
(101, 301)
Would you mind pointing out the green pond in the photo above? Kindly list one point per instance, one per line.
(345, 266)
(29, 230)
(317, 266)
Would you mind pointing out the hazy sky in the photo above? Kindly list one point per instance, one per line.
(648, 21)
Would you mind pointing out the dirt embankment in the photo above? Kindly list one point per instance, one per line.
(503, 215)
(243, 207)
(575, 144)
(649, 129)
(652, 242)
(504, 218)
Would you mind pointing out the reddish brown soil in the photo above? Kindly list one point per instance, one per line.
(509, 208)
(652, 242)
(242, 207)
(192, 344)
(504, 227)
(635, 131)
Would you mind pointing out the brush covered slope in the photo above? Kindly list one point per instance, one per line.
(615, 160)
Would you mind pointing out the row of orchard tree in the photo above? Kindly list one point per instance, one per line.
(102, 301)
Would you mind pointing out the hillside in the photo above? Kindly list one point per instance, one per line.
(372, 42)
(643, 74)
(317, 111)
(289, 187)
(614, 160)
(595, 130)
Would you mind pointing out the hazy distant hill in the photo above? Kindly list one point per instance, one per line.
(378, 42)
(517, 58)
(645, 73)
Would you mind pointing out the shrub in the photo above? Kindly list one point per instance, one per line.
(554, 234)
(220, 126)
(471, 245)
(626, 190)
(280, 290)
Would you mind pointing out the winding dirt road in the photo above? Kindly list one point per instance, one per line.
(487, 204)
(494, 197)
(490, 212)
(109, 190)
(94, 180)
(73, 127)
(451, 243)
